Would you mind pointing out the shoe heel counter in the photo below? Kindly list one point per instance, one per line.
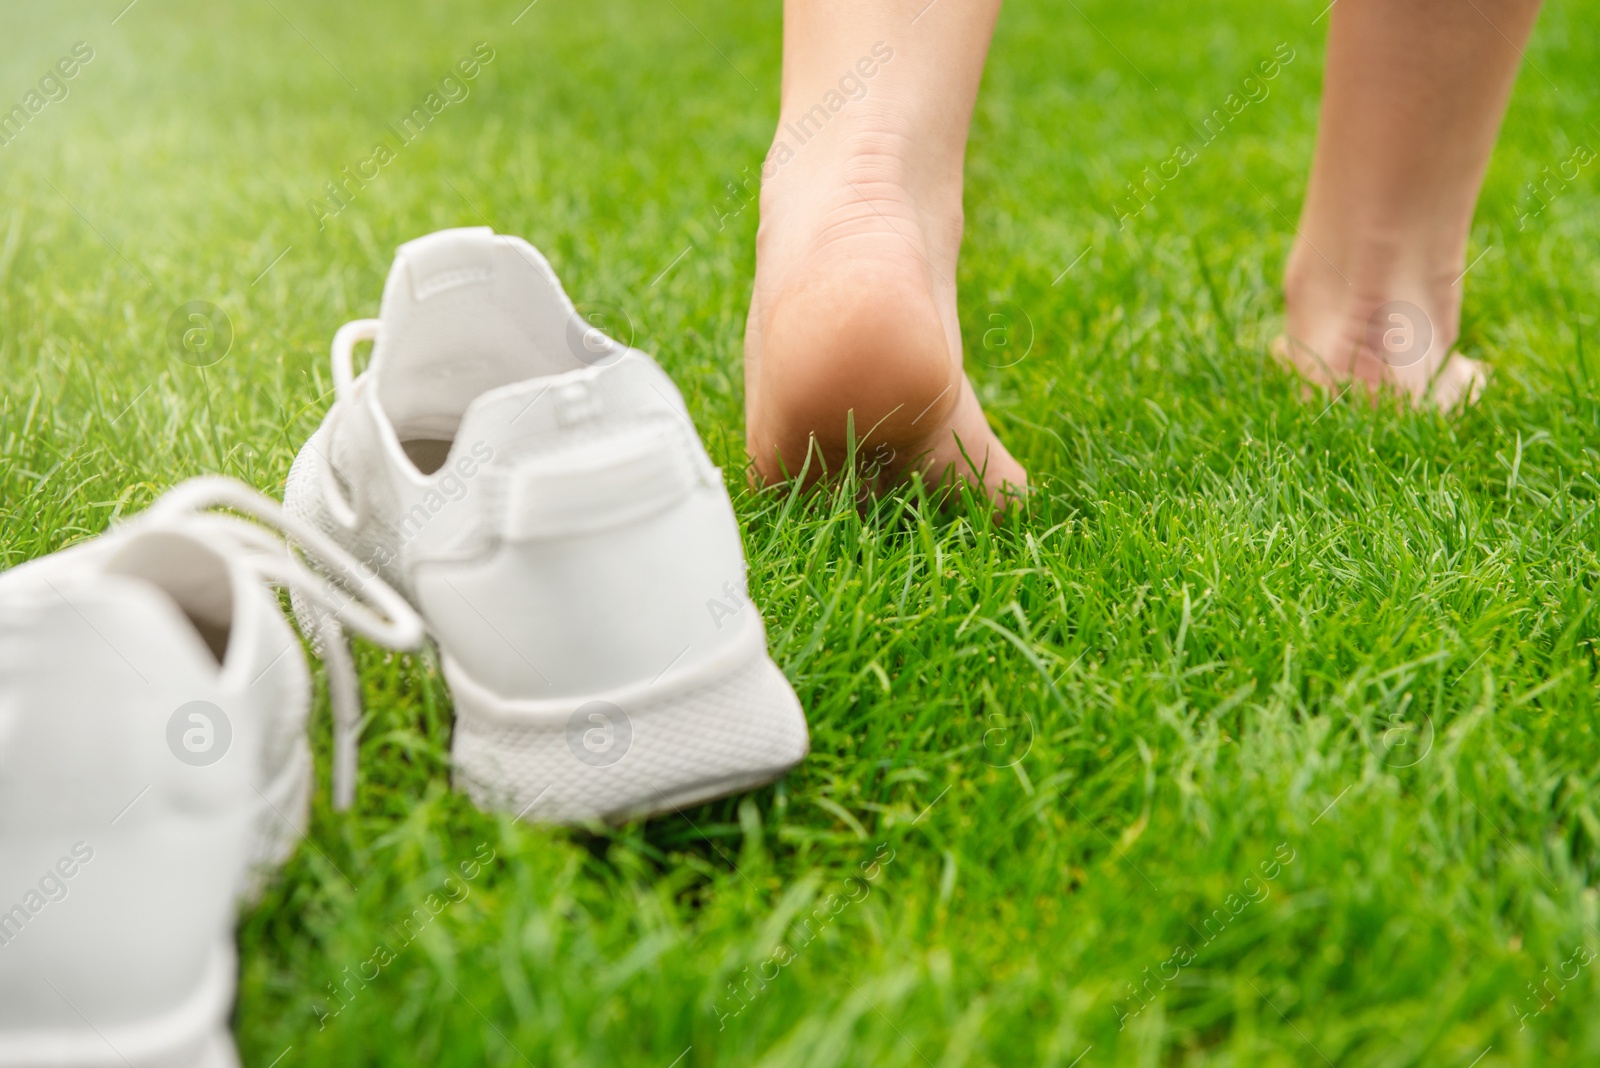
(117, 880)
(615, 563)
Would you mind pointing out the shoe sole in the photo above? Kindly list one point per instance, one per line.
(730, 726)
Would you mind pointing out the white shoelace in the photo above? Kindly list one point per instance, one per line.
(375, 611)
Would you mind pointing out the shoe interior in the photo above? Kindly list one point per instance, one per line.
(466, 311)
(194, 577)
(426, 454)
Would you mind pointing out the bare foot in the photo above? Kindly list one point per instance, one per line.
(1376, 332)
(853, 320)
(1413, 94)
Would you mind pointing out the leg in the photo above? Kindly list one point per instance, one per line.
(854, 310)
(1415, 91)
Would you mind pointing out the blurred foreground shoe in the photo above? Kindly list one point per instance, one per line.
(539, 493)
(153, 763)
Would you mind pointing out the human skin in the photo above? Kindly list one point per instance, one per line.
(1414, 94)
(853, 337)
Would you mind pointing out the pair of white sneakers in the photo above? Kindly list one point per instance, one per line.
(503, 476)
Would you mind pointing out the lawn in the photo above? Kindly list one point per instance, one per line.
(1281, 714)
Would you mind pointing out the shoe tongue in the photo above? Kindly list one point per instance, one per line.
(465, 311)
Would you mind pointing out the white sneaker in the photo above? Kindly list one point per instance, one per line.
(153, 757)
(539, 493)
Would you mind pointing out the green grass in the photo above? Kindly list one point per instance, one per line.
(1232, 635)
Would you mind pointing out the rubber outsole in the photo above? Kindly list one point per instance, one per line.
(631, 753)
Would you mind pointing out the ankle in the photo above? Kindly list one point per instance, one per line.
(866, 153)
(1384, 313)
